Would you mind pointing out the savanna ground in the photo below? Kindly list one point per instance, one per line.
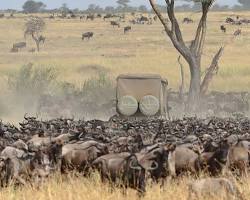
(92, 188)
(145, 49)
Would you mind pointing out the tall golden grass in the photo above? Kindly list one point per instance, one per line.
(81, 188)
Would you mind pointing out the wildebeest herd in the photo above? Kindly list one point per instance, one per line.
(126, 151)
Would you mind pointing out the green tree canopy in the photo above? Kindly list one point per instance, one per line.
(31, 6)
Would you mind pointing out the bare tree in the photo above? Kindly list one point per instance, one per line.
(34, 28)
(191, 53)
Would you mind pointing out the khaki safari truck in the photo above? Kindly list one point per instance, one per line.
(141, 95)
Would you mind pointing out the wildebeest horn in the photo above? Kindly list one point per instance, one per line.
(153, 168)
(25, 116)
(134, 167)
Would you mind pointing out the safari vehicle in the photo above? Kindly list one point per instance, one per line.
(141, 95)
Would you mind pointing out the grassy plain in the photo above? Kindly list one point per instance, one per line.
(145, 49)
(92, 189)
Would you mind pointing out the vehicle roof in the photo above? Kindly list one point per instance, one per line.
(141, 76)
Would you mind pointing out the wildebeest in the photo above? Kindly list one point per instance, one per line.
(87, 35)
(80, 157)
(14, 50)
(19, 45)
(90, 17)
(124, 167)
(82, 17)
(108, 16)
(114, 23)
(187, 20)
(143, 20)
(223, 28)
(1, 15)
(237, 33)
(230, 20)
(28, 164)
(127, 29)
(42, 39)
(214, 187)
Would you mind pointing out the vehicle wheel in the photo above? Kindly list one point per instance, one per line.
(127, 105)
(149, 105)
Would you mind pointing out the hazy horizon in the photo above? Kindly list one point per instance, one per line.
(83, 4)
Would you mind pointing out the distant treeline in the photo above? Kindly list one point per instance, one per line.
(31, 6)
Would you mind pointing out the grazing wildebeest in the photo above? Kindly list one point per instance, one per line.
(82, 17)
(187, 20)
(108, 16)
(87, 35)
(223, 28)
(113, 23)
(19, 45)
(237, 33)
(230, 20)
(127, 29)
(90, 17)
(214, 187)
(42, 39)
(14, 50)
(143, 20)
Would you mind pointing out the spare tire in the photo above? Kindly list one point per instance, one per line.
(127, 105)
(149, 105)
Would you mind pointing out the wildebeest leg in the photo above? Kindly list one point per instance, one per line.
(20, 180)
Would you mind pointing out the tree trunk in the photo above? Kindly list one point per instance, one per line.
(194, 88)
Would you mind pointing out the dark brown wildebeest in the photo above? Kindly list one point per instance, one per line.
(217, 161)
(223, 28)
(19, 45)
(127, 29)
(108, 16)
(114, 23)
(1, 15)
(90, 17)
(125, 167)
(87, 35)
(164, 156)
(143, 20)
(41, 39)
(237, 33)
(230, 20)
(187, 20)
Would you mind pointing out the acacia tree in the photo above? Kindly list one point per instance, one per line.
(34, 27)
(191, 53)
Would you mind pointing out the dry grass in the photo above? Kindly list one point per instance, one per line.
(91, 189)
(145, 49)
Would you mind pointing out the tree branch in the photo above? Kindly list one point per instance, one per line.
(211, 71)
(181, 88)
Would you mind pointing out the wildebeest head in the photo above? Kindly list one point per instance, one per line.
(161, 158)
